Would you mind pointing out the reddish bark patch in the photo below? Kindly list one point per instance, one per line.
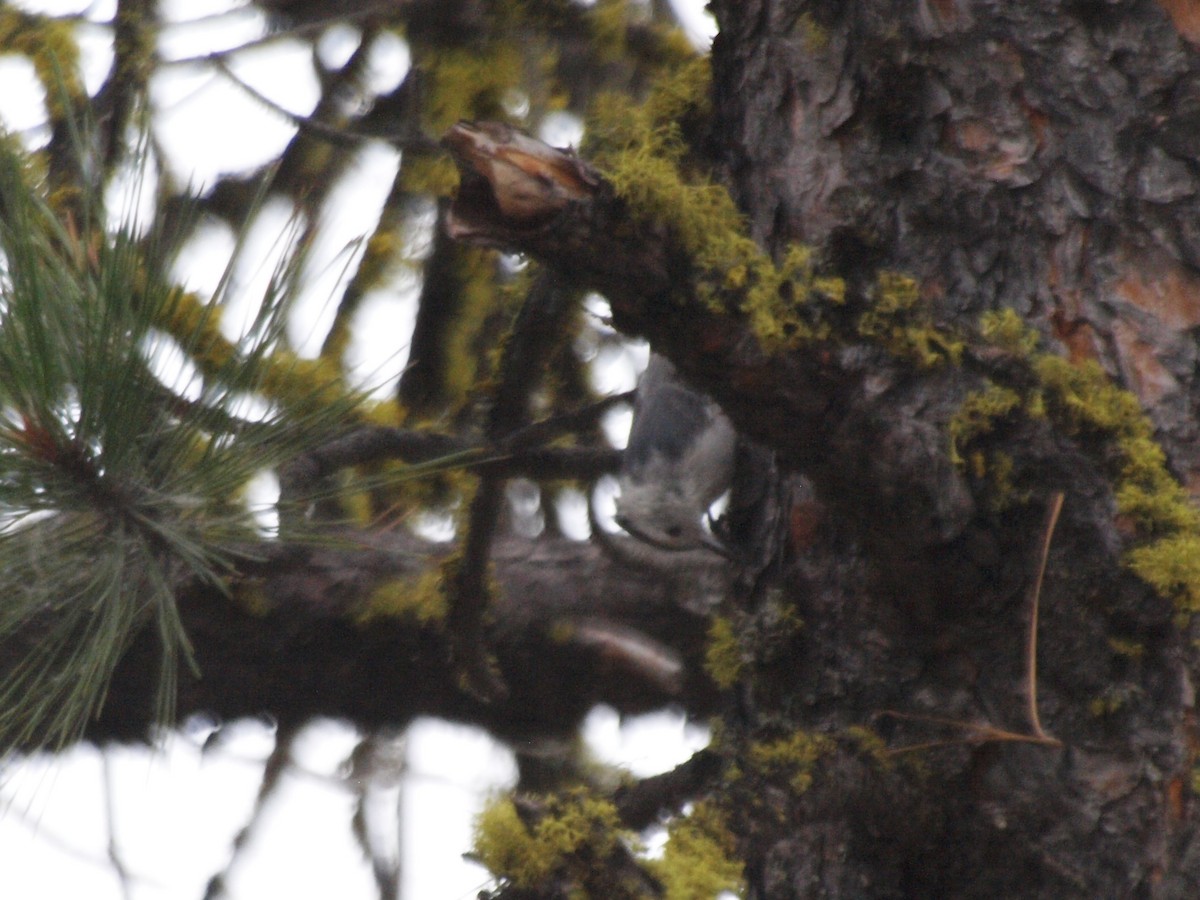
(1185, 16)
(1143, 373)
(1170, 294)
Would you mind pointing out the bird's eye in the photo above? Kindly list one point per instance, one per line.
(675, 531)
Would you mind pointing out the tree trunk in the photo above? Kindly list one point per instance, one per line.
(1038, 157)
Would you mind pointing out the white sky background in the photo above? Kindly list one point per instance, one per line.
(172, 812)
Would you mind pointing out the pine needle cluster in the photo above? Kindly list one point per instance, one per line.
(119, 490)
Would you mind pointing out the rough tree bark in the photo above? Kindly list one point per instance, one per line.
(1038, 157)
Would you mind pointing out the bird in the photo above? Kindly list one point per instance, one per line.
(678, 461)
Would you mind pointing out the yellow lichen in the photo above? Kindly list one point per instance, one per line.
(436, 175)
(977, 415)
(698, 861)
(1171, 566)
(420, 598)
(1007, 330)
(897, 320)
(609, 20)
(643, 151)
(285, 378)
(1087, 399)
(251, 597)
(574, 829)
(815, 37)
(1130, 649)
(479, 296)
(469, 83)
(791, 757)
(1110, 701)
(50, 45)
(723, 660)
(870, 744)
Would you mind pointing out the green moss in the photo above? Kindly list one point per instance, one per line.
(575, 830)
(699, 860)
(419, 597)
(723, 660)
(791, 758)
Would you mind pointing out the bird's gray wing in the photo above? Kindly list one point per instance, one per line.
(668, 416)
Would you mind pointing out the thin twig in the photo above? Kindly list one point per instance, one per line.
(985, 732)
(272, 777)
(337, 135)
(546, 430)
(276, 35)
(538, 327)
(114, 848)
(1035, 592)
(976, 733)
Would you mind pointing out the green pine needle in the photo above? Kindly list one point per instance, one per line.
(114, 493)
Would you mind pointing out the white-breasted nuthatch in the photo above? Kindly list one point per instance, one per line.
(678, 461)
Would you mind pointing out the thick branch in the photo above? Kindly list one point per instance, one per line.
(856, 406)
(323, 648)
